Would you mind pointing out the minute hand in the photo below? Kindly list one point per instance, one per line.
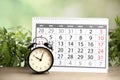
(41, 57)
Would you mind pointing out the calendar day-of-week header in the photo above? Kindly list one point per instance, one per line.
(71, 26)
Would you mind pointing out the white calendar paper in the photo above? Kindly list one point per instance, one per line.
(79, 44)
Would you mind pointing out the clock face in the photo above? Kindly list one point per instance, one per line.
(40, 59)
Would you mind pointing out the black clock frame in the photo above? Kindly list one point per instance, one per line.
(46, 69)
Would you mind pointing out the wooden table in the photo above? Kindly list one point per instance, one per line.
(25, 74)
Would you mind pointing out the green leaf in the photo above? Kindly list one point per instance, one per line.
(5, 30)
(6, 53)
(16, 62)
(117, 20)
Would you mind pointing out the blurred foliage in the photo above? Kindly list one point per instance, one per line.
(13, 48)
(114, 44)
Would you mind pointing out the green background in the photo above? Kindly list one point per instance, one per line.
(20, 12)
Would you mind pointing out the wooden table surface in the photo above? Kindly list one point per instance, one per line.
(25, 74)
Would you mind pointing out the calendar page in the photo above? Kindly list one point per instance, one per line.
(79, 44)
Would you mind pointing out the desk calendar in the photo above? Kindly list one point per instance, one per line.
(79, 44)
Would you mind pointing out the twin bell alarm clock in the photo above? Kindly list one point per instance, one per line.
(40, 59)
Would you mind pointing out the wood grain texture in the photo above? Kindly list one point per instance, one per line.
(25, 74)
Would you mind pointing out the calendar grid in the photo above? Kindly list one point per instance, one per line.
(66, 44)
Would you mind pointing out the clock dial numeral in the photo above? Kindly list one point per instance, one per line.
(32, 63)
(48, 63)
(31, 59)
(36, 52)
(36, 66)
(45, 67)
(40, 68)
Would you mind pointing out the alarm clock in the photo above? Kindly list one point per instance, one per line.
(40, 59)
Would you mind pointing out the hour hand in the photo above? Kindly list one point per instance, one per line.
(36, 57)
